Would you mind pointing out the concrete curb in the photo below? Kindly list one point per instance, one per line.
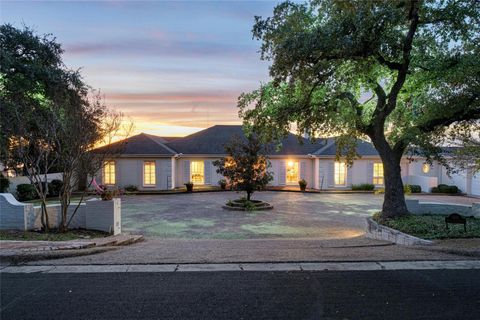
(246, 267)
(21, 257)
(381, 232)
(66, 249)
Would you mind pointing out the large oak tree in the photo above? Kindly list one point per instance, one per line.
(404, 74)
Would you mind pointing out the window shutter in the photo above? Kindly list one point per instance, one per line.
(303, 170)
(186, 171)
(282, 168)
(369, 172)
(331, 174)
(349, 175)
(207, 168)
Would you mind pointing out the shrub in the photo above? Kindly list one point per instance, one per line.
(54, 187)
(407, 189)
(363, 186)
(131, 188)
(415, 188)
(26, 192)
(4, 183)
(443, 188)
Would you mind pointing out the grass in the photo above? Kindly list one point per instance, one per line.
(53, 235)
(54, 200)
(431, 226)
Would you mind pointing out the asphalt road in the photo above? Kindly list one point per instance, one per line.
(406, 294)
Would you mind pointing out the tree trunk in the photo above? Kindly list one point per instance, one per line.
(394, 202)
(249, 194)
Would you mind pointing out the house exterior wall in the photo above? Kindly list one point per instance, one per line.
(183, 173)
(129, 171)
(277, 168)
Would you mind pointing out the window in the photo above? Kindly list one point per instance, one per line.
(292, 172)
(197, 171)
(340, 173)
(149, 173)
(109, 172)
(426, 168)
(378, 173)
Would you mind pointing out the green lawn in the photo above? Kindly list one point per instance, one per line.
(55, 200)
(432, 227)
(51, 236)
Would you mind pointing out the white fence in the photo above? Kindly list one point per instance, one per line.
(94, 214)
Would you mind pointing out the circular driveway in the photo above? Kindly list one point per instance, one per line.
(295, 215)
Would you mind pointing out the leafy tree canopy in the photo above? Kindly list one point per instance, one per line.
(357, 68)
(402, 73)
(246, 167)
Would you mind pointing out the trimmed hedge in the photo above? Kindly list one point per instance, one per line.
(363, 187)
(54, 187)
(4, 183)
(412, 188)
(131, 188)
(26, 192)
(443, 188)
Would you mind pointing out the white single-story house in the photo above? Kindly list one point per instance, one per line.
(160, 163)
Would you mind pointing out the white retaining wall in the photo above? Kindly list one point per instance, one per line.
(13, 214)
(443, 209)
(95, 214)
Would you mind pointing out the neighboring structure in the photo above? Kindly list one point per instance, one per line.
(159, 163)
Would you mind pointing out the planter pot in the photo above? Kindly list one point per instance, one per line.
(303, 188)
(189, 187)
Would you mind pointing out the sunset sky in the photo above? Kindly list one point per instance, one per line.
(172, 67)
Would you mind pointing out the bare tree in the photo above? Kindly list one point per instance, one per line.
(32, 152)
(87, 124)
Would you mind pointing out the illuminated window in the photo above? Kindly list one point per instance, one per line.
(340, 173)
(109, 172)
(426, 168)
(149, 173)
(292, 172)
(378, 173)
(197, 171)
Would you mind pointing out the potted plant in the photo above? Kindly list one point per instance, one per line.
(223, 184)
(189, 186)
(104, 193)
(303, 184)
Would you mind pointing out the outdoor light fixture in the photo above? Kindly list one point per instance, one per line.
(290, 163)
(426, 168)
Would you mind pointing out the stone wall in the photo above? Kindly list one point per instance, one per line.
(380, 232)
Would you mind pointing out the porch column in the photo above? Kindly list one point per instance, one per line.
(174, 172)
(316, 174)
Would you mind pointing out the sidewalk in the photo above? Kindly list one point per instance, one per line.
(156, 251)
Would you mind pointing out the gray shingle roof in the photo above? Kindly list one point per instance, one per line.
(363, 149)
(213, 140)
(140, 144)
